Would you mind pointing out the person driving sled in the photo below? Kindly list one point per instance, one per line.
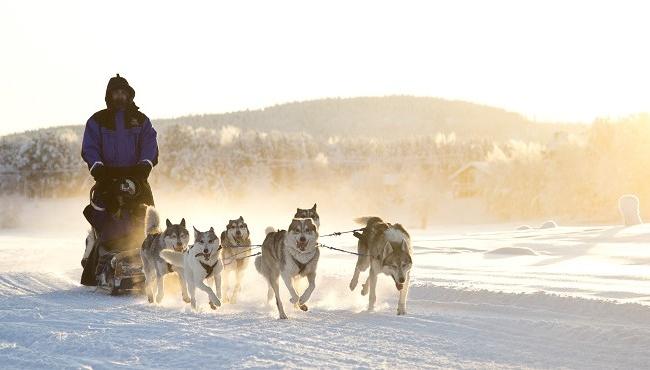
(120, 148)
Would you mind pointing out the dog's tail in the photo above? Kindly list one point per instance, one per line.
(173, 257)
(151, 221)
(366, 220)
(268, 230)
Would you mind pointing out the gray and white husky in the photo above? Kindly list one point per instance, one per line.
(201, 261)
(291, 254)
(308, 213)
(385, 248)
(235, 250)
(175, 237)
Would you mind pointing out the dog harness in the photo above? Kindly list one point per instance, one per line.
(299, 264)
(208, 268)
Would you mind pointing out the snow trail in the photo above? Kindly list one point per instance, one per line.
(467, 309)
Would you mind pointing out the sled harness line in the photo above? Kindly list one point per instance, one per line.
(342, 250)
(253, 246)
(235, 259)
(339, 233)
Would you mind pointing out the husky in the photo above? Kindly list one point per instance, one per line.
(174, 237)
(384, 248)
(235, 250)
(199, 262)
(291, 254)
(308, 213)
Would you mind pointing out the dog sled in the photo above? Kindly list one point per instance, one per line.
(115, 265)
(120, 273)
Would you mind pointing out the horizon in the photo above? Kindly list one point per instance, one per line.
(561, 64)
(154, 119)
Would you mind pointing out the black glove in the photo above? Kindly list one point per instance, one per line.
(142, 170)
(99, 172)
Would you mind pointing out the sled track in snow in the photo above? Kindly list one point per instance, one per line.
(48, 321)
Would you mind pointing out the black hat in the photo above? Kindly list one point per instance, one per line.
(118, 82)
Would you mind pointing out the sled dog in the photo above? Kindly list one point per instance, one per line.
(201, 261)
(175, 237)
(308, 213)
(385, 248)
(291, 254)
(235, 250)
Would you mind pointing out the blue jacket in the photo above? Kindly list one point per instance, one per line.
(119, 139)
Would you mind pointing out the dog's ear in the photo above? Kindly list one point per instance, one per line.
(212, 230)
(314, 207)
(297, 210)
(169, 223)
(240, 218)
(183, 222)
(388, 249)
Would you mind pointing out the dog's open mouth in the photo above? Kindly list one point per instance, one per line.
(301, 245)
(399, 286)
(206, 256)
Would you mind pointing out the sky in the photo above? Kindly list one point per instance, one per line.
(549, 60)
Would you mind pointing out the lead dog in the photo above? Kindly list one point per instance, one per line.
(174, 237)
(235, 250)
(385, 248)
(290, 254)
(201, 261)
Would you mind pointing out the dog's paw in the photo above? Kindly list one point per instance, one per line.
(294, 300)
(159, 298)
(216, 304)
(187, 299)
(150, 298)
(401, 311)
(303, 307)
(364, 289)
(283, 316)
(353, 284)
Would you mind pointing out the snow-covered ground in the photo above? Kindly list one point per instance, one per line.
(481, 297)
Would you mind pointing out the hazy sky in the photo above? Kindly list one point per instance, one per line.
(550, 60)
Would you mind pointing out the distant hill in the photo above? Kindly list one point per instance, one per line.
(390, 117)
(382, 117)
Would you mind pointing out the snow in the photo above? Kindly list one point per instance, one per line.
(513, 251)
(550, 224)
(581, 299)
